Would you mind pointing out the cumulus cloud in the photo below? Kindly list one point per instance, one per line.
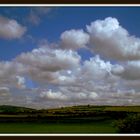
(11, 29)
(9, 75)
(88, 81)
(85, 96)
(74, 39)
(49, 59)
(20, 81)
(44, 64)
(65, 96)
(96, 68)
(7, 72)
(109, 39)
(130, 71)
(95, 76)
(64, 78)
(84, 83)
(50, 95)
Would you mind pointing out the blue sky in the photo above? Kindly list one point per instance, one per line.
(60, 19)
(58, 56)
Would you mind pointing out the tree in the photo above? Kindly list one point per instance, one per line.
(130, 124)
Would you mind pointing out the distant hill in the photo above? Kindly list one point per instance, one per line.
(84, 113)
(92, 108)
(14, 109)
(69, 110)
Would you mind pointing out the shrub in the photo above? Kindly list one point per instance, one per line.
(130, 124)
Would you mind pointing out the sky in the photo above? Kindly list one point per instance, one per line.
(64, 56)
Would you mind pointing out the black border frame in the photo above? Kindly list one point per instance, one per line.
(69, 2)
(65, 2)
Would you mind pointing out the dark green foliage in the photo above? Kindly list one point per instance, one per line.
(130, 124)
(82, 113)
(5, 109)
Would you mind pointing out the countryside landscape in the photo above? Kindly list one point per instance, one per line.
(76, 119)
(69, 70)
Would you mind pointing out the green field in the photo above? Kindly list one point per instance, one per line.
(96, 127)
(76, 119)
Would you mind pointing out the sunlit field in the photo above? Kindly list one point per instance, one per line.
(96, 127)
(76, 119)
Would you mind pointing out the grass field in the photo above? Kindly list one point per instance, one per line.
(96, 127)
(75, 119)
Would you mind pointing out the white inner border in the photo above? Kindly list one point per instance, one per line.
(70, 5)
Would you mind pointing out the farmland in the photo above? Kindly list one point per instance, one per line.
(51, 128)
(75, 119)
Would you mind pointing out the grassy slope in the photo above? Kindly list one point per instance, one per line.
(14, 109)
(99, 126)
(73, 109)
(96, 127)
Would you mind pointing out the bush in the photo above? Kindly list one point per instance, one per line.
(130, 124)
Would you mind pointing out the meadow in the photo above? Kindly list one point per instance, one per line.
(76, 119)
(57, 128)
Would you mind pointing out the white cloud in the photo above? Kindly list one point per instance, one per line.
(50, 59)
(60, 95)
(118, 69)
(44, 64)
(63, 78)
(50, 95)
(88, 81)
(74, 39)
(96, 68)
(20, 82)
(11, 29)
(9, 74)
(110, 39)
(130, 71)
